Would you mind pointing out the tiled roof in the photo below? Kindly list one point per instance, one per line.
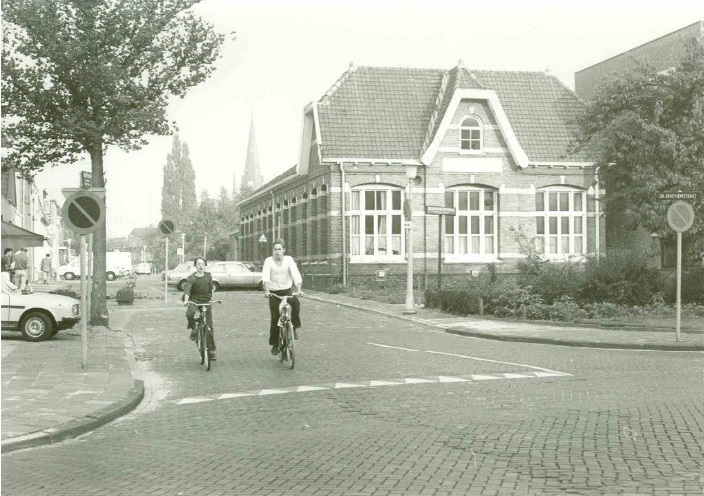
(385, 113)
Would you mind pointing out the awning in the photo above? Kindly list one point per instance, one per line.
(16, 237)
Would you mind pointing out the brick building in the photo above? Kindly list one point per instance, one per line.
(493, 145)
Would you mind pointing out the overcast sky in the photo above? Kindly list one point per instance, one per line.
(288, 53)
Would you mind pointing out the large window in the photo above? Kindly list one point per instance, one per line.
(472, 231)
(471, 134)
(560, 222)
(375, 222)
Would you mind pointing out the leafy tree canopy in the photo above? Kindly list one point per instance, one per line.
(647, 130)
(81, 74)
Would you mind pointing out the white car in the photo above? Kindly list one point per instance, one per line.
(38, 316)
(142, 268)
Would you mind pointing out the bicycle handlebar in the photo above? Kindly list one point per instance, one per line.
(284, 296)
(209, 304)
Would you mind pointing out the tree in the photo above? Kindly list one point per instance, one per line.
(178, 194)
(647, 130)
(81, 75)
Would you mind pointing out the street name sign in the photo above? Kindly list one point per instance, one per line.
(440, 210)
(678, 195)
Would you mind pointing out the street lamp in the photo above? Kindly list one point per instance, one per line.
(408, 214)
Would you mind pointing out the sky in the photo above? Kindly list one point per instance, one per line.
(286, 54)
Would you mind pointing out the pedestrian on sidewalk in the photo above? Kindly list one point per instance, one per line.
(21, 264)
(45, 267)
(7, 265)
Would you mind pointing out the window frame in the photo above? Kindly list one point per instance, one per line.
(480, 139)
(576, 221)
(358, 215)
(483, 214)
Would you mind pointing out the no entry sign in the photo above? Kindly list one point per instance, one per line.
(83, 212)
(680, 216)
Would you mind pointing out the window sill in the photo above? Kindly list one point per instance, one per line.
(367, 259)
(484, 259)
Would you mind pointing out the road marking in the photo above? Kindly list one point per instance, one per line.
(497, 361)
(394, 347)
(408, 381)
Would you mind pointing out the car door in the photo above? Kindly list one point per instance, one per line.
(5, 308)
(219, 273)
(238, 274)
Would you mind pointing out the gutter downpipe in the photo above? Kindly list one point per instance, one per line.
(597, 214)
(274, 234)
(425, 227)
(344, 229)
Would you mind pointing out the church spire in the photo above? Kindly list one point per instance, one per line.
(252, 177)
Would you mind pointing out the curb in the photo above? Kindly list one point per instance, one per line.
(528, 339)
(79, 426)
(578, 344)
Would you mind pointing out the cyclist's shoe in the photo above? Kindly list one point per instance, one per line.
(194, 335)
(285, 356)
(212, 356)
(274, 350)
(295, 334)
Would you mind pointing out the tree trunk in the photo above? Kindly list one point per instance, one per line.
(98, 310)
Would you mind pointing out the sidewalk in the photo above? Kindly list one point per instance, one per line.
(48, 397)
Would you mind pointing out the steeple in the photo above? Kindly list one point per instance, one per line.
(252, 177)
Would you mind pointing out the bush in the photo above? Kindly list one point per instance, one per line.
(124, 295)
(623, 280)
(66, 292)
(551, 280)
(692, 286)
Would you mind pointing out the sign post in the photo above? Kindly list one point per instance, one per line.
(680, 217)
(166, 227)
(83, 212)
(440, 211)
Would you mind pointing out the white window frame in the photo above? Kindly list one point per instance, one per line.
(454, 243)
(478, 128)
(551, 241)
(357, 214)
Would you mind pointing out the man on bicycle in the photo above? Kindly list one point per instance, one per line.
(199, 289)
(279, 275)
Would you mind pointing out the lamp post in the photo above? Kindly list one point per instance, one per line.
(183, 247)
(408, 214)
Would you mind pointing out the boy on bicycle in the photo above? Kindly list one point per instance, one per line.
(279, 275)
(199, 289)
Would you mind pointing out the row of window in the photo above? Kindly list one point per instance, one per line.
(376, 227)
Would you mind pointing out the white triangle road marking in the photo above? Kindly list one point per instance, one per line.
(302, 389)
(233, 395)
(342, 385)
(265, 392)
(186, 401)
(516, 376)
(443, 378)
(479, 377)
(412, 380)
(384, 383)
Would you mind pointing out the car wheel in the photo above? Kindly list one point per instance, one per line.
(69, 276)
(260, 286)
(36, 326)
(216, 286)
(180, 284)
(110, 276)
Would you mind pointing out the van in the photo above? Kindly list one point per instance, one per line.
(116, 263)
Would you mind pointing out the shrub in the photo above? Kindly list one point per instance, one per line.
(66, 292)
(624, 280)
(124, 295)
(551, 280)
(336, 288)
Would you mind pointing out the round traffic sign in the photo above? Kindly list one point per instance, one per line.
(166, 227)
(680, 216)
(83, 212)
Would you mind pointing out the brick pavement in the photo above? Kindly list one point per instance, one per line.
(47, 396)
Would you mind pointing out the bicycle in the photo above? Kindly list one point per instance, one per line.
(286, 335)
(204, 333)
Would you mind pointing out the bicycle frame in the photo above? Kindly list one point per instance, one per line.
(203, 330)
(286, 339)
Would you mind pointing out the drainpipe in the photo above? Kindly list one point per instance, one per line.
(344, 230)
(273, 218)
(596, 212)
(425, 227)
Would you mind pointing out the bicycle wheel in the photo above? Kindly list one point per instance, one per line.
(289, 345)
(206, 356)
(200, 342)
(282, 344)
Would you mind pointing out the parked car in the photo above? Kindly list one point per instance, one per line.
(177, 276)
(143, 268)
(38, 316)
(233, 274)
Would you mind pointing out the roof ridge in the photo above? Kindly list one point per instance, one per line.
(336, 85)
(436, 111)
